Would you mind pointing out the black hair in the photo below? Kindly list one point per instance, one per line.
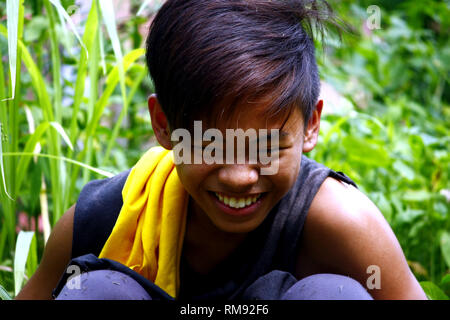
(201, 53)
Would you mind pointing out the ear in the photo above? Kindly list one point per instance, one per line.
(159, 122)
(312, 131)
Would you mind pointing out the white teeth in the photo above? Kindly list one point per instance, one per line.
(237, 202)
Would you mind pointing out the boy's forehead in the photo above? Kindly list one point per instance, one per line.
(250, 113)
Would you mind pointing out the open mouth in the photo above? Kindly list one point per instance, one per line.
(237, 202)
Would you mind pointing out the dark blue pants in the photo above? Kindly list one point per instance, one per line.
(279, 285)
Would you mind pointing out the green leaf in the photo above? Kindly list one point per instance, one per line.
(35, 178)
(432, 291)
(2, 169)
(142, 7)
(37, 79)
(334, 129)
(90, 30)
(111, 83)
(416, 195)
(107, 10)
(366, 151)
(108, 15)
(404, 170)
(35, 28)
(23, 245)
(445, 279)
(50, 156)
(383, 204)
(445, 247)
(63, 134)
(30, 146)
(409, 215)
(4, 295)
(32, 260)
(12, 23)
(428, 139)
(65, 15)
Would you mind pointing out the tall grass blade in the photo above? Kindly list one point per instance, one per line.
(89, 39)
(40, 87)
(111, 83)
(143, 6)
(445, 247)
(110, 23)
(32, 260)
(4, 295)
(107, 11)
(155, 5)
(12, 23)
(44, 209)
(23, 245)
(30, 147)
(102, 51)
(63, 13)
(432, 291)
(3, 171)
(8, 212)
(63, 133)
(37, 79)
(90, 31)
(93, 94)
(50, 156)
(56, 64)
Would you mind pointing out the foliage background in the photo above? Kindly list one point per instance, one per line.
(79, 112)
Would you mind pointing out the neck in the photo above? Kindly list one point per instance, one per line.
(205, 245)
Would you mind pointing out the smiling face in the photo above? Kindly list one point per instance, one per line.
(236, 198)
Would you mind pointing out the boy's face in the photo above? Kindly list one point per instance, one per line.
(236, 198)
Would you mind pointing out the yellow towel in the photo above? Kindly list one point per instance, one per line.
(149, 232)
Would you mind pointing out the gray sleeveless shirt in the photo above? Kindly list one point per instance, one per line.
(271, 246)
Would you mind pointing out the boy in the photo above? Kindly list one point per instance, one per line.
(174, 227)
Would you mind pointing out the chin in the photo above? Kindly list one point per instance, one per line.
(238, 228)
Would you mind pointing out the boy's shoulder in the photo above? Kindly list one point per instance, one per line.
(345, 233)
(341, 195)
(343, 215)
(338, 202)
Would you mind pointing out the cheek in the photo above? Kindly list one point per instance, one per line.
(192, 176)
(289, 168)
(185, 173)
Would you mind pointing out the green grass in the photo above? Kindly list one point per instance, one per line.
(53, 128)
(73, 108)
(394, 140)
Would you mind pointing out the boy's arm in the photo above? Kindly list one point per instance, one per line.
(345, 233)
(56, 256)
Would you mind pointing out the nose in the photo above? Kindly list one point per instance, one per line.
(238, 177)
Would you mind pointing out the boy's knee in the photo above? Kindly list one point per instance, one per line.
(103, 285)
(327, 286)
